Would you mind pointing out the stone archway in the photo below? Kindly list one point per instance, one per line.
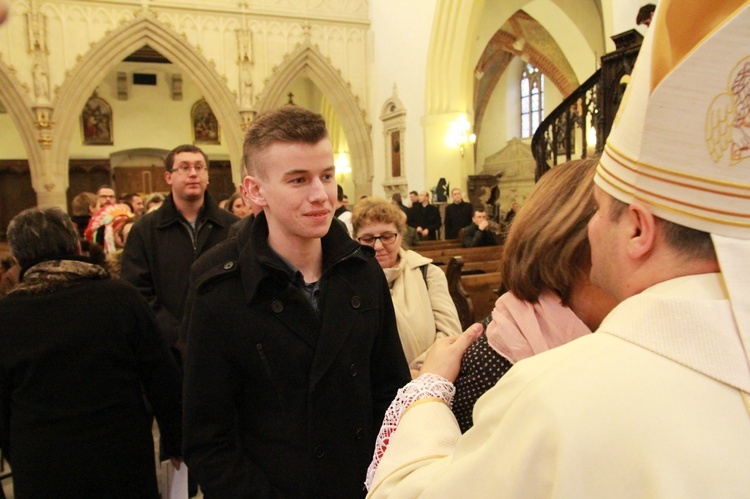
(309, 62)
(109, 52)
(19, 108)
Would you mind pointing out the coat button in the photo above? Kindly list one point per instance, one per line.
(356, 302)
(353, 370)
(277, 306)
(228, 265)
(359, 434)
(319, 451)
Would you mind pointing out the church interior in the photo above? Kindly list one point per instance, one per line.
(97, 92)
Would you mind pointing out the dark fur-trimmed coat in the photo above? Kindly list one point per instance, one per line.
(75, 359)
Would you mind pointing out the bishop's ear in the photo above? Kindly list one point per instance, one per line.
(641, 224)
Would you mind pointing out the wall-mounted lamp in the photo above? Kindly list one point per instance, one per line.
(459, 135)
(342, 163)
(591, 137)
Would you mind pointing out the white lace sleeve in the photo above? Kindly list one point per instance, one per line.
(425, 386)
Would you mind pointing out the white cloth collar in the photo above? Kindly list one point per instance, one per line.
(688, 320)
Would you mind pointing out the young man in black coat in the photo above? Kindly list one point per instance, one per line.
(293, 354)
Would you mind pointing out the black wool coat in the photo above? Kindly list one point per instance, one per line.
(74, 366)
(280, 401)
(158, 254)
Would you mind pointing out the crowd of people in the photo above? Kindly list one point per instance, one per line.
(290, 347)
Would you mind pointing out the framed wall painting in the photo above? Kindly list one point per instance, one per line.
(96, 122)
(205, 125)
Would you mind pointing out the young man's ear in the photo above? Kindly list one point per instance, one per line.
(641, 226)
(252, 190)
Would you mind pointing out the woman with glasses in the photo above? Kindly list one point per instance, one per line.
(424, 308)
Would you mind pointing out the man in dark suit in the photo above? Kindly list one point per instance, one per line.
(426, 217)
(457, 214)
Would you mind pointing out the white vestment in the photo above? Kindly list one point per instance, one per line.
(651, 405)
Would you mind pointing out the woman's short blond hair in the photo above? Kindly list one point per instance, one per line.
(371, 210)
(547, 246)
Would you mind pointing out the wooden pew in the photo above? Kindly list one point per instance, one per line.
(441, 257)
(449, 252)
(473, 295)
(484, 290)
(480, 267)
(438, 245)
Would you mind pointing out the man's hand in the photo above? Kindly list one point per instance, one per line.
(444, 357)
(484, 225)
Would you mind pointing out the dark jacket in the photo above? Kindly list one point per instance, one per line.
(281, 401)
(427, 217)
(161, 248)
(473, 237)
(457, 216)
(75, 364)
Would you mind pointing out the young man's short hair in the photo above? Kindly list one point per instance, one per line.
(286, 124)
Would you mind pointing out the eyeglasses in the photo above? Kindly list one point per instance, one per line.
(185, 168)
(385, 238)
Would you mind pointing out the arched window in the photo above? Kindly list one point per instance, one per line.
(532, 100)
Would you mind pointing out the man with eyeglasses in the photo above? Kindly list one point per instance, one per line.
(105, 195)
(163, 244)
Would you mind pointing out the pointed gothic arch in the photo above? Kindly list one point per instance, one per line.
(19, 108)
(307, 61)
(110, 51)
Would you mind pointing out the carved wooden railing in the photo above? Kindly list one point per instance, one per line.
(563, 135)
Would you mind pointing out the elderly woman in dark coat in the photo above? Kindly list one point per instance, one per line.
(77, 352)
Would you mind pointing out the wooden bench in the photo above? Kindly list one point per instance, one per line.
(438, 245)
(482, 254)
(480, 267)
(449, 252)
(473, 295)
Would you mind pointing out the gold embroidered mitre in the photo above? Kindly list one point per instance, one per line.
(681, 140)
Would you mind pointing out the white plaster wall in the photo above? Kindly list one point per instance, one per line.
(11, 146)
(400, 37)
(578, 46)
(149, 118)
(502, 120)
(498, 123)
(624, 13)
(576, 25)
